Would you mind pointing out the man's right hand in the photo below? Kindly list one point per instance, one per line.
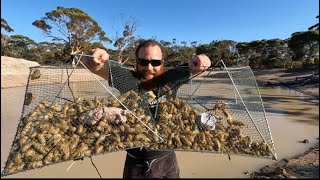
(96, 62)
(100, 56)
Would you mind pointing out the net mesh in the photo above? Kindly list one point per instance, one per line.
(218, 111)
(70, 113)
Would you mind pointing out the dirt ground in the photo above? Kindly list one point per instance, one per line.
(14, 72)
(305, 165)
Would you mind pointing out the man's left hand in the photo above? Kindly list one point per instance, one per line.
(199, 63)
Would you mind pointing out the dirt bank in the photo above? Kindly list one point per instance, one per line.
(304, 81)
(15, 72)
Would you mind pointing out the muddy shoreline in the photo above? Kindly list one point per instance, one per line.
(305, 165)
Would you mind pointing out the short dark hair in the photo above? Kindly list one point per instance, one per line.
(147, 43)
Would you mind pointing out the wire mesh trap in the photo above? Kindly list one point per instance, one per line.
(70, 113)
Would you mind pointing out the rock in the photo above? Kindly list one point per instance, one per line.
(279, 177)
(306, 141)
(286, 160)
(269, 83)
(280, 170)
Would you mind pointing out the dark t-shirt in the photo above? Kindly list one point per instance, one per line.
(124, 80)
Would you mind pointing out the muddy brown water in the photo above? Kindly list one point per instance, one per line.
(292, 117)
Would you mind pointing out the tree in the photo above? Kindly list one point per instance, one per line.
(244, 53)
(71, 26)
(305, 46)
(217, 50)
(276, 53)
(4, 38)
(194, 43)
(5, 25)
(50, 53)
(125, 42)
(20, 46)
(315, 27)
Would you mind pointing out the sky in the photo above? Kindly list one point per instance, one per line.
(203, 21)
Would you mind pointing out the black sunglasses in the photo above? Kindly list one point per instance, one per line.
(153, 62)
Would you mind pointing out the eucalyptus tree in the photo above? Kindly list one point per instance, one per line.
(184, 43)
(220, 50)
(125, 43)
(305, 47)
(5, 25)
(72, 27)
(275, 53)
(316, 26)
(258, 53)
(209, 50)
(194, 43)
(165, 43)
(168, 52)
(185, 53)
(173, 53)
(4, 38)
(177, 54)
(50, 53)
(244, 53)
(20, 46)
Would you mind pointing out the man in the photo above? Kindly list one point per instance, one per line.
(150, 75)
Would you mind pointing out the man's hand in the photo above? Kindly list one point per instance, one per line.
(100, 56)
(199, 63)
(96, 62)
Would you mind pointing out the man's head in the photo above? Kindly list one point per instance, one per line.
(149, 60)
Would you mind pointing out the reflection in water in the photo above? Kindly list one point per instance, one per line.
(294, 105)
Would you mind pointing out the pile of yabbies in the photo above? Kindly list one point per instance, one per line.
(54, 133)
(181, 128)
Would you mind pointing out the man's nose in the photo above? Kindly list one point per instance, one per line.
(149, 67)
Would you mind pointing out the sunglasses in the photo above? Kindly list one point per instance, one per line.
(153, 62)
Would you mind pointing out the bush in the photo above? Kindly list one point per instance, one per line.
(296, 64)
(316, 62)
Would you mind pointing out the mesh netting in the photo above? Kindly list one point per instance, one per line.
(70, 113)
(218, 111)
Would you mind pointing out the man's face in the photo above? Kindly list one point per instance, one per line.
(149, 71)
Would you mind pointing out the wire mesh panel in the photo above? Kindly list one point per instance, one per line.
(70, 113)
(218, 111)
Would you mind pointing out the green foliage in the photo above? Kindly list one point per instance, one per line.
(316, 26)
(220, 50)
(5, 25)
(74, 26)
(305, 45)
(296, 65)
(316, 61)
